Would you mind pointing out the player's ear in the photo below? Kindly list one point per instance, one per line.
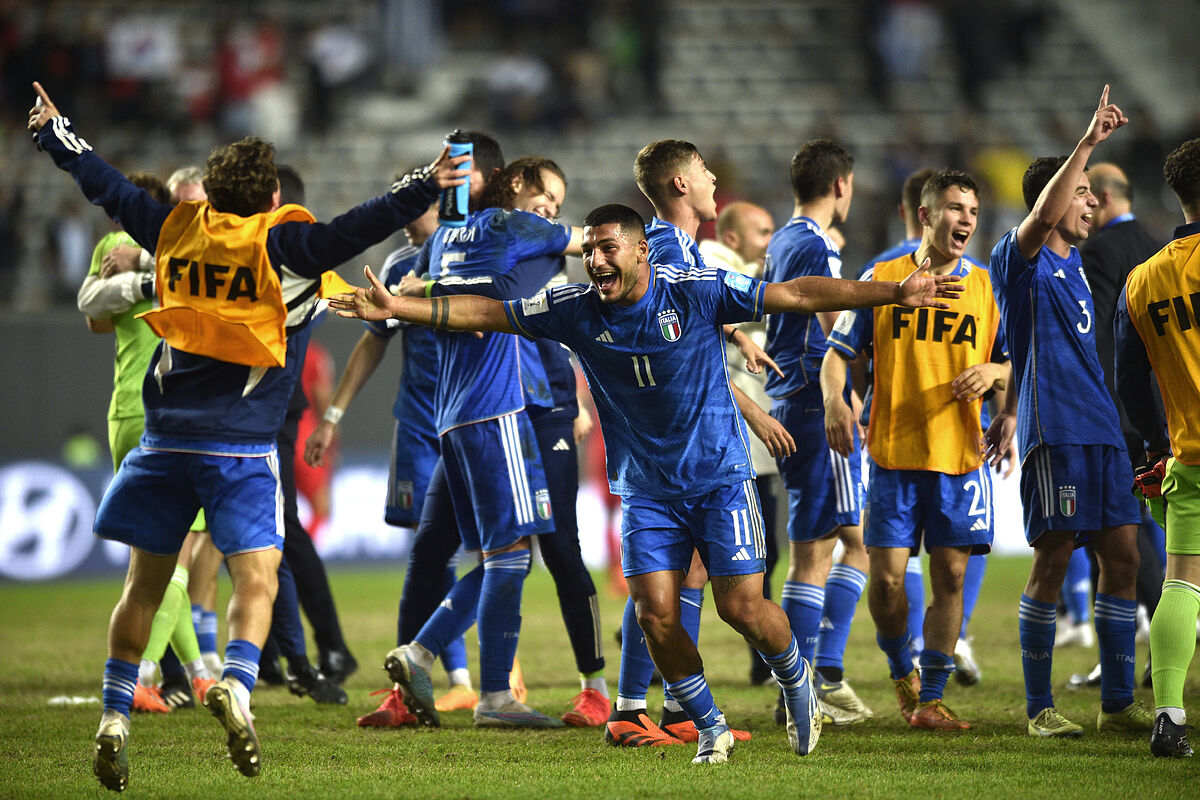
(923, 216)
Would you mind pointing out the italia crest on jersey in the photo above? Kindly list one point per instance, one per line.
(1066, 501)
(668, 323)
(404, 494)
(542, 498)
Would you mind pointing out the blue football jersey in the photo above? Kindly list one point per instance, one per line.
(658, 375)
(796, 341)
(479, 379)
(1050, 327)
(670, 244)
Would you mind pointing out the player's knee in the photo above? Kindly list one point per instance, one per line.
(656, 623)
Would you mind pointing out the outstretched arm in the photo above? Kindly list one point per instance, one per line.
(1054, 200)
(460, 313)
(813, 293)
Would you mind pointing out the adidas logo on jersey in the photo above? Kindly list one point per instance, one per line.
(1058, 273)
(979, 525)
(605, 337)
(561, 444)
(740, 555)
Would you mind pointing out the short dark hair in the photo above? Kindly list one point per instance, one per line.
(630, 221)
(658, 162)
(910, 193)
(816, 166)
(240, 178)
(291, 187)
(1037, 176)
(1182, 172)
(942, 180)
(151, 185)
(485, 153)
(499, 192)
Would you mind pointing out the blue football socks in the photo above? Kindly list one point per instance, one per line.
(1116, 625)
(500, 616)
(1035, 624)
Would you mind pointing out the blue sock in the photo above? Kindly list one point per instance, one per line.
(454, 656)
(206, 631)
(690, 602)
(454, 616)
(935, 670)
(914, 590)
(120, 679)
(972, 583)
(693, 696)
(636, 666)
(803, 604)
(241, 662)
(499, 622)
(1116, 624)
(842, 590)
(1077, 587)
(899, 654)
(1035, 625)
(787, 667)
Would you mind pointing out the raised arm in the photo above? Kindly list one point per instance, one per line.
(461, 313)
(127, 205)
(1052, 203)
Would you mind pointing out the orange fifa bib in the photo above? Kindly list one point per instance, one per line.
(1163, 298)
(218, 295)
(916, 422)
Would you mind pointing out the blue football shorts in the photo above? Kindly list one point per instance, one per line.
(415, 451)
(824, 488)
(906, 507)
(494, 473)
(1080, 488)
(725, 525)
(162, 483)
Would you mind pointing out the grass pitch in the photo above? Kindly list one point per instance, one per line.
(54, 644)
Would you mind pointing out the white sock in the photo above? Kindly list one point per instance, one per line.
(628, 704)
(598, 683)
(148, 673)
(422, 655)
(1176, 715)
(196, 669)
(460, 677)
(491, 701)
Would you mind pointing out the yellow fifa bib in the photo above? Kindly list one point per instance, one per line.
(218, 295)
(1163, 297)
(916, 422)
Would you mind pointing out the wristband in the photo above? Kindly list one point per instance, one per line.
(333, 415)
(429, 288)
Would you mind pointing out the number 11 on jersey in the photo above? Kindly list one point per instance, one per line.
(641, 371)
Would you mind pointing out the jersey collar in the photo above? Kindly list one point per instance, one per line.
(1191, 229)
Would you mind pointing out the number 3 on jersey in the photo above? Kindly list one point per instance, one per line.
(1086, 325)
(641, 371)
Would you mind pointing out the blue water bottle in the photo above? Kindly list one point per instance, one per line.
(455, 200)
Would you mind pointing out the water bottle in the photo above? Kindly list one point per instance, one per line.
(455, 200)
